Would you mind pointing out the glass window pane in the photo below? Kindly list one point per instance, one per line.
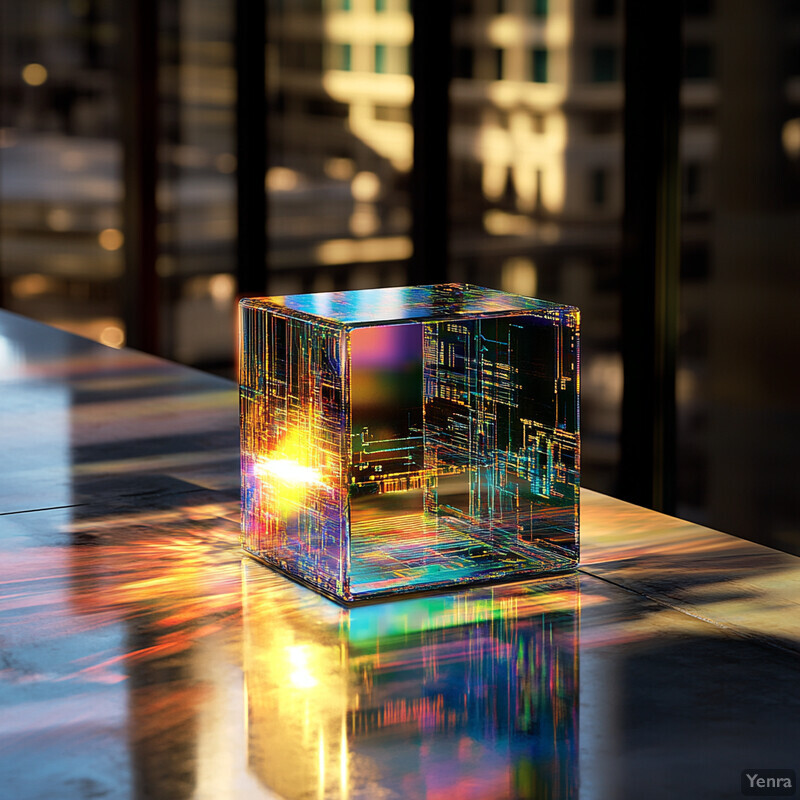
(61, 224)
(340, 148)
(738, 402)
(197, 192)
(536, 189)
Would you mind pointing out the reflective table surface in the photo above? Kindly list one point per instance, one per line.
(141, 656)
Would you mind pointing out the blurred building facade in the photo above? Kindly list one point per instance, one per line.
(536, 170)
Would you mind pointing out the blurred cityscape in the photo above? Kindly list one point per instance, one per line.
(537, 184)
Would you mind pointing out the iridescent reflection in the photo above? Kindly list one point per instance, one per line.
(467, 695)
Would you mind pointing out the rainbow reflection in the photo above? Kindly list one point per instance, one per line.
(469, 695)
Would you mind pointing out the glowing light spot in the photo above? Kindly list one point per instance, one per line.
(288, 471)
(300, 676)
(222, 288)
(113, 336)
(281, 179)
(354, 251)
(34, 74)
(364, 220)
(366, 187)
(111, 239)
(340, 169)
(790, 136)
(519, 276)
(31, 285)
(501, 223)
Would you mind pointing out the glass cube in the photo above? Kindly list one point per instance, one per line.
(407, 439)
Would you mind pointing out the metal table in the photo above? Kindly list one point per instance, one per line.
(142, 656)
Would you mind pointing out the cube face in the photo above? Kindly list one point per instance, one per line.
(406, 439)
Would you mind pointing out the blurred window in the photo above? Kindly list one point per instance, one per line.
(539, 65)
(598, 185)
(499, 60)
(464, 66)
(539, 181)
(604, 9)
(322, 107)
(794, 60)
(691, 182)
(393, 113)
(698, 62)
(603, 123)
(539, 8)
(698, 117)
(466, 114)
(341, 56)
(604, 64)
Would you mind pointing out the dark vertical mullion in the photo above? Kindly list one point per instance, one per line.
(651, 236)
(4, 28)
(431, 64)
(139, 116)
(251, 146)
(170, 124)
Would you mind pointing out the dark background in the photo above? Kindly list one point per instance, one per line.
(159, 159)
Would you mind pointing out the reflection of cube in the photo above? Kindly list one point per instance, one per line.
(403, 439)
(401, 692)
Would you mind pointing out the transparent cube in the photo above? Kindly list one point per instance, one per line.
(408, 439)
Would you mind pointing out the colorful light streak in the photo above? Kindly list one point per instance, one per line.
(402, 439)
